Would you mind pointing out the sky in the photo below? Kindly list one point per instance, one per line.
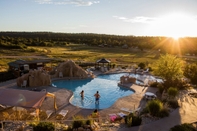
(174, 18)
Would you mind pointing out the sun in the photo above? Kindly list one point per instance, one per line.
(176, 37)
(174, 25)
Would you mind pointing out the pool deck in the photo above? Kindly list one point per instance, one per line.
(62, 98)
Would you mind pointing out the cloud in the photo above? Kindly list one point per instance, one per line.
(138, 19)
(66, 2)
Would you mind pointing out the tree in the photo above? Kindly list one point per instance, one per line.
(191, 72)
(169, 67)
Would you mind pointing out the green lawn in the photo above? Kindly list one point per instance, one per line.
(117, 55)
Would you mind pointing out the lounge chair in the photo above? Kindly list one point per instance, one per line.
(116, 117)
(126, 110)
(33, 113)
(60, 75)
(138, 69)
(63, 113)
(146, 71)
(24, 84)
(122, 114)
(131, 111)
(49, 113)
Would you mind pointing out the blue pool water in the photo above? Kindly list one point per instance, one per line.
(107, 85)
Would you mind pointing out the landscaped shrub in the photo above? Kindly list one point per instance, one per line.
(128, 120)
(89, 121)
(172, 92)
(161, 88)
(141, 65)
(154, 107)
(154, 84)
(42, 115)
(183, 127)
(144, 110)
(78, 122)
(68, 129)
(173, 104)
(136, 120)
(44, 126)
(133, 120)
(163, 113)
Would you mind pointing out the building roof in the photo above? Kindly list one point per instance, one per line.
(17, 63)
(103, 60)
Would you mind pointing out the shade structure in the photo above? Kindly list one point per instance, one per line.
(103, 60)
(22, 98)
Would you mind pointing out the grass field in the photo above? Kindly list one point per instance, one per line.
(83, 53)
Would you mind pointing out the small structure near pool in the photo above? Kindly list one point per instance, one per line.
(127, 79)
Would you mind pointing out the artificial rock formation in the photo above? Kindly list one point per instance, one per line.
(35, 78)
(127, 79)
(70, 69)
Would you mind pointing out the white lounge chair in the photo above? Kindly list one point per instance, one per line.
(146, 71)
(138, 69)
(63, 113)
(126, 110)
(60, 75)
(122, 114)
(49, 113)
(24, 84)
(33, 113)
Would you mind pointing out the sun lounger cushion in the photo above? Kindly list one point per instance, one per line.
(63, 112)
(113, 117)
(49, 113)
(122, 114)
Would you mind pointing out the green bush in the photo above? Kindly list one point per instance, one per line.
(141, 65)
(136, 120)
(89, 121)
(172, 92)
(44, 126)
(161, 88)
(154, 107)
(163, 113)
(68, 129)
(144, 110)
(154, 84)
(133, 120)
(128, 120)
(78, 122)
(183, 127)
(173, 104)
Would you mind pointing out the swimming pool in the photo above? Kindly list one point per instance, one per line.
(107, 85)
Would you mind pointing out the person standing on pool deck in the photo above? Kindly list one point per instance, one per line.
(97, 96)
(82, 94)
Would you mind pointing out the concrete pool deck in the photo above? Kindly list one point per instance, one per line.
(187, 113)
